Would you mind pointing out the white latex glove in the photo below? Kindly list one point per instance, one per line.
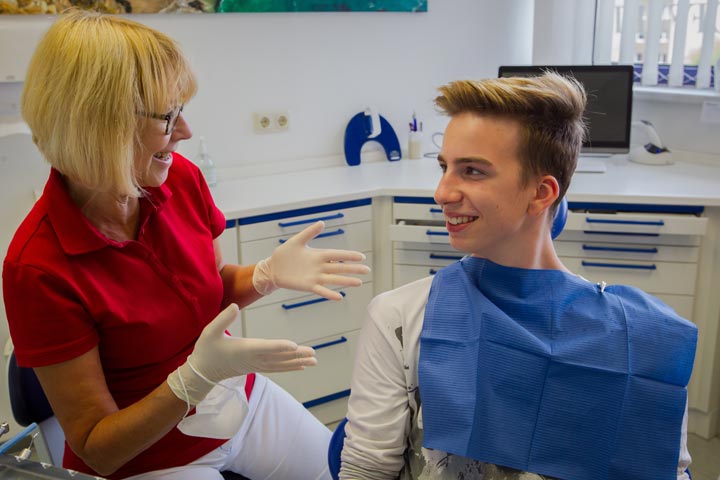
(297, 266)
(218, 356)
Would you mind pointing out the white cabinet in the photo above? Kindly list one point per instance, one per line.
(229, 242)
(330, 327)
(421, 242)
(656, 251)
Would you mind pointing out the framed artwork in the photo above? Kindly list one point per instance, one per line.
(211, 6)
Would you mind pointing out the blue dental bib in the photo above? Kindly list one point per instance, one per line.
(544, 372)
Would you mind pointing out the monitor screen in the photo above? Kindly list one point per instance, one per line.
(609, 107)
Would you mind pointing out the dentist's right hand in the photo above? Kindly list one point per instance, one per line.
(218, 356)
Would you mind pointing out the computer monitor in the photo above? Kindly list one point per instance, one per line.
(609, 108)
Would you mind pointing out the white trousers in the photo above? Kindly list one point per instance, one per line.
(279, 439)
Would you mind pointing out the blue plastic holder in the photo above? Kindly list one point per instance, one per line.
(358, 132)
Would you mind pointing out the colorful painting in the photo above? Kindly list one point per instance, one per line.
(211, 6)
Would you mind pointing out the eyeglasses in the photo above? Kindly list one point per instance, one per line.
(170, 118)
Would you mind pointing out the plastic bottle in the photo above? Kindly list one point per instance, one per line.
(206, 164)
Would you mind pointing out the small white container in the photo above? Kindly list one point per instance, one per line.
(415, 145)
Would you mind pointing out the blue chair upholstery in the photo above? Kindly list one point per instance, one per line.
(560, 218)
(336, 445)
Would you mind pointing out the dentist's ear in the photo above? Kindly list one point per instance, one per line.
(546, 192)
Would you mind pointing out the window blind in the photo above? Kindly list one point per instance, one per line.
(672, 42)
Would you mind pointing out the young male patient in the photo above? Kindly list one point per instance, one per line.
(505, 365)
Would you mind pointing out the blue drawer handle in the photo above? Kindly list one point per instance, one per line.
(327, 399)
(436, 210)
(290, 306)
(431, 232)
(620, 249)
(433, 271)
(339, 231)
(436, 256)
(619, 265)
(329, 344)
(658, 223)
(310, 220)
(627, 234)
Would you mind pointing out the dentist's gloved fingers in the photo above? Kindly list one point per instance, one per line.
(340, 280)
(308, 233)
(346, 268)
(221, 322)
(326, 293)
(333, 255)
(289, 366)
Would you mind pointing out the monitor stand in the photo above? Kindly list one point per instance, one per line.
(592, 163)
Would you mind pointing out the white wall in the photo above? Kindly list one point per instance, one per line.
(323, 67)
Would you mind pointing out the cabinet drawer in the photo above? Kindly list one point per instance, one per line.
(425, 257)
(285, 295)
(627, 251)
(682, 304)
(419, 233)
(653, 277)
(639, 223)
(435, 247)
(289, 225)
(638, 239)
(229, 244)
(417, 211)
(330, 377)
(356, 236)
(306, 318)
(403, 274)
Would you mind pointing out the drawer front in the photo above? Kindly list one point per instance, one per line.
(357, 236)
(653, 277)
(335, 355)
(404, 274)
(291, 225)
(285, 295)
(307, 318)
(332, 411)
(627, 251)
(682, 304)
(416, 211)
(418, 233)
(663, 224)
(425, 257)
(435, 247)
(633, 238)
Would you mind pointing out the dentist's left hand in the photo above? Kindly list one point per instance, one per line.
(297, 266)
(218, 356)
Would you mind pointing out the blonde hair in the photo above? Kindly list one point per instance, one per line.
(89, 78)
(549, 109)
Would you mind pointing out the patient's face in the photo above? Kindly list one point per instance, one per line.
(484, 202)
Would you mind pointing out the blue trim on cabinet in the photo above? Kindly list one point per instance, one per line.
(422, 200)
(326, 399)
(303, 211)
(632, 207)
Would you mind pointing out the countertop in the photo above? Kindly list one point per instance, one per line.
(686, 182)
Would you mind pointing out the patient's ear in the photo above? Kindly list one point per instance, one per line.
(546, 192)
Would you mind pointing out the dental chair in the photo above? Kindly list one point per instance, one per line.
(30, 406)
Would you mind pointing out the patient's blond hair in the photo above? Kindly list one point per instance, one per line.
(88, 80)
(549, 109)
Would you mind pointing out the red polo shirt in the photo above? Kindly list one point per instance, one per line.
(68, 288)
